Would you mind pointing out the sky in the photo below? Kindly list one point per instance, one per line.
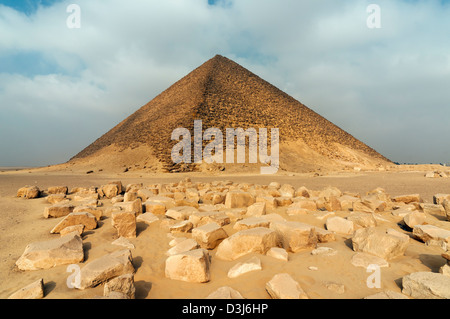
(62, 87)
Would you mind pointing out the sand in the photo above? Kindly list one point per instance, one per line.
(22, 222)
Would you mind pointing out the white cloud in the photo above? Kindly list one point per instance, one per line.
(386, 86)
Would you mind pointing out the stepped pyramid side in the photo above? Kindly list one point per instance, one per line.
(223, 94)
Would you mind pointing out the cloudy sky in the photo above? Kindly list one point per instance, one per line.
(61, 88)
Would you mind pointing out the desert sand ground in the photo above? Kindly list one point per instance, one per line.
(22, 222)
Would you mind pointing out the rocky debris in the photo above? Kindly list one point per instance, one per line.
(362, 220)
(97, 212)
(183, 226)
(238, 199)
(407, 198)
(133, 206)
(340, 225)
(125, 223)
(209, 236)
(446, 205)
(181, 212)
(324, 236)
(432, 235)
(110, 190)
(186, 244)
(203, 218)
(278, 253)
(335, 287)
(123, 284)
(29, 192)
(86, 219)
(35, 290)
(251, 222)
(58, 190)
(51, 253)
(283, 286)
(433, 209)
(414, 218)
(190, 266)
(254, 240)
(105, 268)
(257, 209)
(154, 207)
(295, 236)
(384, 244)
(439, 199)
(241, 268)
(58, 210)
(225, 293)
(69, 229)
(364, 260)
(426, 285)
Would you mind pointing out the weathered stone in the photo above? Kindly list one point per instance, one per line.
(270, 201)
(257, 240)
(105, 268)
(69, 229)
(302, 191)
(241, 268)
(183, 226)
(283, 201)
(117, 199)
(123, 284)
(295, 236)
(225, 293)
(428, 233)
(110, 190)
(384, 244)
(58, 190)
(251, 222)
(426, 285)
(335, 287)
(256, 209)
(147, 218)
(183, 246)
(446, 205)
(34, 290)
(433, 209)
(307, 204)
(48, 254)
(98, 213)
(238, 199)
(408, 198)
(361, 219)
(347, 201)
(414, 218)
(29, 192)
(364, 260)
(209, 236)
(130, 196)
(203, 218)
(340, 225)
(329, 204)
(157, 208)
(278, 253)
(324, 236)
(438, 199)
(283, 286)
(56, 198)
(191, 266)
(287, 190)
(125, 223)
(58, 210)
(181, 212)
(445, 270)
(82, 218)
(133, 206)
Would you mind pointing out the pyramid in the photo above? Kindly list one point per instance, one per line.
(224, 95)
